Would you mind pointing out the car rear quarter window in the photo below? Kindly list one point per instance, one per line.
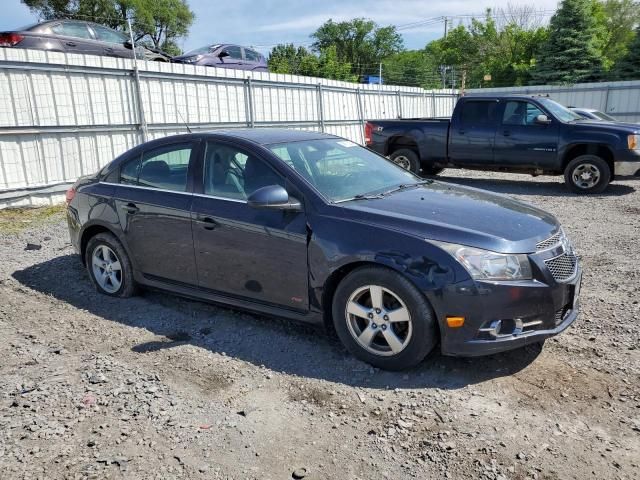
(477, 113)
(233, 51)
(252, 55)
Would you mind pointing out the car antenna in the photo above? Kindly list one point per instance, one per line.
(185, 123)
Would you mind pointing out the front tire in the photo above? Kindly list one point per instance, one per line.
(383, 319)
(587, 174)
(109, 266)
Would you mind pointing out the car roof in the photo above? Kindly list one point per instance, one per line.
(512, 96)
(268, 136)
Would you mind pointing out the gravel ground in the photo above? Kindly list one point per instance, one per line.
(162, 387)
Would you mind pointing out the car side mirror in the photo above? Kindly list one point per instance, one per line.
(273, 197)
(223, 54)
(543, 120)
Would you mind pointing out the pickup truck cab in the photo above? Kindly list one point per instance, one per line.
(517, 133)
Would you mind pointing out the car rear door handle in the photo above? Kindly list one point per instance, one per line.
(130, 208)
(71, 44)
(208, 223)
(461, 132)
(506, 133)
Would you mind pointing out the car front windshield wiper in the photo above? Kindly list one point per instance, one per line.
(362, 196)
(406, 186)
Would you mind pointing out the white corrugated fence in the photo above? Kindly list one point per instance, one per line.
(65, 115)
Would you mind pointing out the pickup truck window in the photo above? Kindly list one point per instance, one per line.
(481, 112)
(520, 113)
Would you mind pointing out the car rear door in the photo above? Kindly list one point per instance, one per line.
(243, 252)
(521, 142)
(76, 38)
(472, 133)
(153, 200)
(234, 57)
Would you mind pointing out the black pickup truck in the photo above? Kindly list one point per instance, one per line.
(525, 134)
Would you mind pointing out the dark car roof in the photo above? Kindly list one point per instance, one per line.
(267, 136)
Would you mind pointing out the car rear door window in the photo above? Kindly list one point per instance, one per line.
(72, 29)
(476, 113)
(163, 168)
(251, 55)
(232, 173)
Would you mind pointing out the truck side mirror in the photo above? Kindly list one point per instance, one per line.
(543, 120)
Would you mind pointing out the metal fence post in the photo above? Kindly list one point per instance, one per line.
(433, 103)
(248, 102)
(606, 100)
(320, 107)
(136, 75)
(399, 98)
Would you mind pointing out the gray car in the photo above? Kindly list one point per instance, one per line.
(225, 56)
(74, 36)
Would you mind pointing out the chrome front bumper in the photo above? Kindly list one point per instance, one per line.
(626, 169)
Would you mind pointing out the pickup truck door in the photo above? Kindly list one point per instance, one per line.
(472, 133)
(522, 142)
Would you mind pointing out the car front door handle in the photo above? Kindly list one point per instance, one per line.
(208, 223)
(506, 133)
(71, 44)
(130, 208)
(461, 132)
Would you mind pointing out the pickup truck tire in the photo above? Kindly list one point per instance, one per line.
(407, 159)
(587, 174)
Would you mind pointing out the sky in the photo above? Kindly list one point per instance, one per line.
(265, 23)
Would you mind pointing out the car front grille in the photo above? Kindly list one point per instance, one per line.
(551, 241)
(563, 267)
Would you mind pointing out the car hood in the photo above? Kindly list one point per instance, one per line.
(463, 215)
(611, 126)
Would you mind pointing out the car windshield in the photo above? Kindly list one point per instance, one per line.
(202, 50)
(561, 112)
(604, 116)
(342, 170)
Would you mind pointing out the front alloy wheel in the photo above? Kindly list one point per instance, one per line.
(383, 319)
(587, 174)
(378, 320)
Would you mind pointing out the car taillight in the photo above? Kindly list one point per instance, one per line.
(71, 193)
(10, 39)
(368, 133)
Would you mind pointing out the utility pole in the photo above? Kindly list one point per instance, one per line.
(136, 73)
(380, 74)
(446, 24)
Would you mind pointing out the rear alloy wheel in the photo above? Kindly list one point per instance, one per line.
(407, 159)
(383, 319)
(109, 266)
(587, 174)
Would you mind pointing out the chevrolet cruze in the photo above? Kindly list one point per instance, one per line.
(316, 228)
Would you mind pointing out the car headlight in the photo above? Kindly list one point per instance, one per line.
(487, 265)
(633, 141)
(192, 59)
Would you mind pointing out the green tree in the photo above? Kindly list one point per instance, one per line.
(572, 52)
(628, 68)
(618, 19)
(414, 68)
(159, 23)
(292, 60)
(359, 42)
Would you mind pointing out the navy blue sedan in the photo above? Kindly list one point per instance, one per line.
(314, 227)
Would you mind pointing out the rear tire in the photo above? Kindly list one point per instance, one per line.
(426, 171)
(393, 326)
(109, 267)
(587, 174)
(407, 159)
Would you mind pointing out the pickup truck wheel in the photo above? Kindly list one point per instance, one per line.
(431, 170)
(587, 174)
(407, 159)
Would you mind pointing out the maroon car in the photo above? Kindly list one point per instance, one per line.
(225, 56)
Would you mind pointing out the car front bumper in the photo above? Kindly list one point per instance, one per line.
(502, 316)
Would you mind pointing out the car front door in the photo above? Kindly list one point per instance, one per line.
(153, 200)
(231, 57)
(113, 42)
(241, 251)
(472, 135)
(523, 142)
